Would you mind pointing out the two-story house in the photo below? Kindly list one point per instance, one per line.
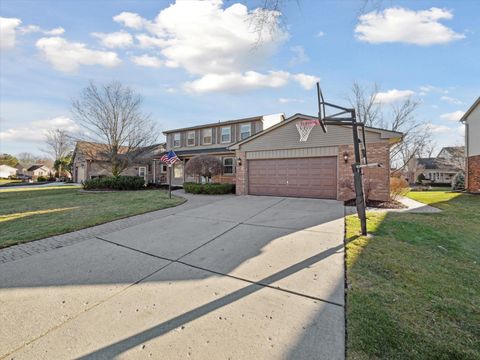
(471, 119)
(214, 139)
(441, 169)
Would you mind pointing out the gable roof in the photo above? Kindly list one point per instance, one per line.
(219, 123)
(96, 151)
(453, 150)
(36, 167)
(470, 110)
(386, 134)
(435, 164)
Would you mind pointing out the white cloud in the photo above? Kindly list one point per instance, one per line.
(215, 43)
(147, 60)
(120, 39)
(68, 56)
(438, 129)
(393, 95)
(431, 88)
(320, 34)
(451, 100)
(54, 32)
(406, 26)
(130, 20)
(146, 41)
(8, 27)
(306, 81)
(250, 80)
(234, 82)
(37, 29)
(290, 100)
(453, 116)
(299, 56)
(36, 130)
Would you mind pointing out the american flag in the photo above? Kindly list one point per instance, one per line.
(170, 158)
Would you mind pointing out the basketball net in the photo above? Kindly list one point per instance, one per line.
(304, 128)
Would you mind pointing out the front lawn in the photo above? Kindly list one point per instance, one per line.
(4, 182)
(414, 289)
(30, 214)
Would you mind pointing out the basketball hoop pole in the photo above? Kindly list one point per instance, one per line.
(357, 177)
(338, 119)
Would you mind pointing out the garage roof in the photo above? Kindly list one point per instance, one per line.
(384, 134)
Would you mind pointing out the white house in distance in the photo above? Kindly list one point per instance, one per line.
(471, 119)
(6, 171)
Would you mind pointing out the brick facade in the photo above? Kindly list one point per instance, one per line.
(376, 180)
(473, 177)
(242, 174)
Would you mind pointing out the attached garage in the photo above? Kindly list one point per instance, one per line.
(314, 177)
(275, 162)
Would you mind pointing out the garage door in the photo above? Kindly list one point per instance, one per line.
(300, 177)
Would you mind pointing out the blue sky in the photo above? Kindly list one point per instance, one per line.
(196, 63)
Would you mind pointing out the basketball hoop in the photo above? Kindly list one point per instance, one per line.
(304, 128)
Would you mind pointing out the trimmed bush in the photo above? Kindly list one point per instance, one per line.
(209, 189)
(41, 179)
(398, 187)
(115, 183)
(458, 181)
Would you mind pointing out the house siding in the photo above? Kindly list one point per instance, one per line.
(287, 137)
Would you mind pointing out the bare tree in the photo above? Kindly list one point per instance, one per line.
(59, 143)
(204, 165)
(111, 116)
(367, 108)
(399, 116)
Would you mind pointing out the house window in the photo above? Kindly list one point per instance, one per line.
(142, 172)
(228, 167)
(226, 134)
(176, 140)
(245, 131)
(207, 136)
(191, 138)
(163, 168)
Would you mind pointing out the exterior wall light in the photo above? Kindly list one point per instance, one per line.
(239, 161)
(345, 157)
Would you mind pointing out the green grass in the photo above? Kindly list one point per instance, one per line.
(414, 286)
(4, 182)
(30, 214)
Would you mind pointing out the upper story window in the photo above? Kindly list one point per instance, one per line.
(207, 136)
(191, 138)
(226, 134)
(176, 140)
(245, 131)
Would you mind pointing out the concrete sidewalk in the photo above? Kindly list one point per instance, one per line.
(233, 277)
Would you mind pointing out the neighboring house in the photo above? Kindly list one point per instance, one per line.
(214, 139)
(21, 170)
(6, 171)
(89, 162)
(38, 170)
(274, 162)
(471, 119)
(441, 169)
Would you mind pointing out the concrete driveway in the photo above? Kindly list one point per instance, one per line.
(222, 278)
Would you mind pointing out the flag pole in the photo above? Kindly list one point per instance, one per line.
(170, 181)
